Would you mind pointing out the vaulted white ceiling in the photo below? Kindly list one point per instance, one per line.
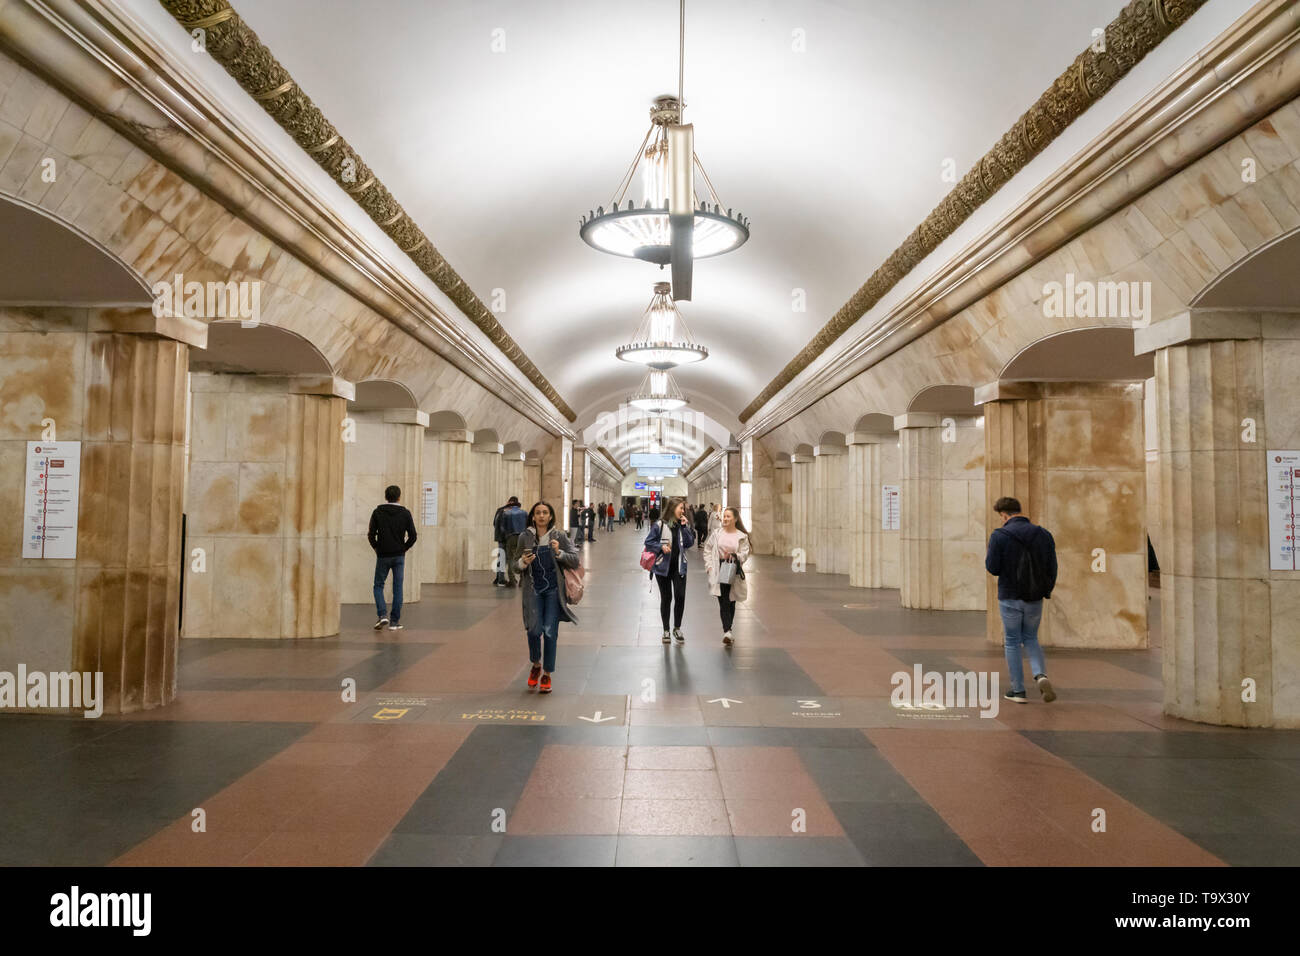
(498, 123)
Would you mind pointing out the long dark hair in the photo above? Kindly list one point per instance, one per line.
(740, 525)
(547, 506)
(670, 512)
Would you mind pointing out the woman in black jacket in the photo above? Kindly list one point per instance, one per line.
(672, 538)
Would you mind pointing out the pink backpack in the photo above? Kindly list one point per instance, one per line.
(573, 586)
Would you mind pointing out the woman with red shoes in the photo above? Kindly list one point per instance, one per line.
(544, 552)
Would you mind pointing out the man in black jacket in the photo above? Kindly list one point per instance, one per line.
(392, 533)
(1023, 556)
(498, 535)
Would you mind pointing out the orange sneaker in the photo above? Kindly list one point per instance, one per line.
(546, 684)
(534, 674)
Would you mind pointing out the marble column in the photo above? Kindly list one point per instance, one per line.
(555, 464)
(265, 502)
(115, 381)
(782, 503)
(763, 534)
(1152, 445)
(941, 542)
(873, 549)
(444, 545)
(512, 478)
(735, 474)
(532, 483)
(578, 484)
(830, 508)
(389, 450)
(485, 497)
(1072, 453)
(1227, 402)
(802, 520)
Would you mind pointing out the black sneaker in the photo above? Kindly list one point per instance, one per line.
(679, 636)
(1017, 697)
(667, 639)
(381, 624)
(394, 626)
(1045, 688)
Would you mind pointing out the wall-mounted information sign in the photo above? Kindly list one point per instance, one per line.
(51, 498)
(1283, 507)
(429, 503)
(889, 514)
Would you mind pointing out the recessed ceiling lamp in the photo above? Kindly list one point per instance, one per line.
(662, 340)
(658, 394)
(668, 225)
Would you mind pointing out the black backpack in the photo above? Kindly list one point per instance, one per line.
(1031, 576)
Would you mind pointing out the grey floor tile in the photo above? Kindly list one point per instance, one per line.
(677, 851)
(557, 851)
(418, 849)
(797, 851)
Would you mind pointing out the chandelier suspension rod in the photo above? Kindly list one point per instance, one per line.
(681, 64)
(627, 177)
(707, 181)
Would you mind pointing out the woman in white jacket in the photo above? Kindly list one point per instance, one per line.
(727, 545)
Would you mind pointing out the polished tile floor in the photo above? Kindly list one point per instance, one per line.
(782, 750)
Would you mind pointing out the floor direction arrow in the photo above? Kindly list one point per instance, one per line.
(726, 702)
(597, 719)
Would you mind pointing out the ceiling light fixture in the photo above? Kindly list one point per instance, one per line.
(662, 340)
(668, 226)
(658, 394)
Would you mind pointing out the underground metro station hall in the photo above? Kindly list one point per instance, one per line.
(689, 433)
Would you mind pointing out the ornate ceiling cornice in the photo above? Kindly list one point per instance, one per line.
(1139, 29)
(234, 45)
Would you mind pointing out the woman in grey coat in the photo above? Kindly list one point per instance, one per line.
(544, 552)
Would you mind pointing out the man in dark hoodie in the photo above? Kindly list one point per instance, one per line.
(392, 534)
(511, 522)
(1023, 556)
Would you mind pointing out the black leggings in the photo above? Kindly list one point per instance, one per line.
(727, 606)
(672, 586)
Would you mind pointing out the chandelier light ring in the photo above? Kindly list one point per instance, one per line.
(658, 394)
(643, 232)
(662, 340)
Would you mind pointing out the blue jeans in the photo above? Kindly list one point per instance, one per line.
(548, 624)
(1020, 620)
(382, 565)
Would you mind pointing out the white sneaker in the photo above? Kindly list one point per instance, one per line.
(726, 637)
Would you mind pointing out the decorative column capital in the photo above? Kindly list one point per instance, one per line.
(801, 459)
(330, 386)
(488, 447)
(451, 435)
(406, 416)
(821, 451)
(1000, 391)
(1038, 390)
(1203, 325)
(871, 438)
(917, 420)
(180, 328)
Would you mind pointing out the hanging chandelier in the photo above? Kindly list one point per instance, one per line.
(670, 225)
(658, 394)
(662, 340)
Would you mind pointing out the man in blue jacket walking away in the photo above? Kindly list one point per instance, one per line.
(1023, 556)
